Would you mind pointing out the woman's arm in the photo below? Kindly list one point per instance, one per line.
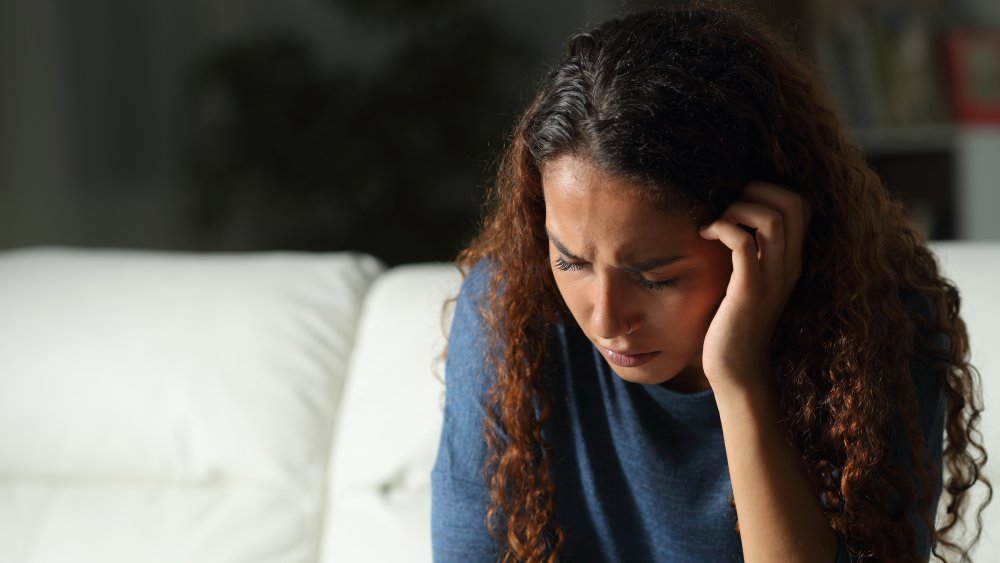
(779, 512)
(459, 496)
(767, 473)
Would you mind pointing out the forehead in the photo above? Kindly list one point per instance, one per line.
(585, 205)
(575, 176)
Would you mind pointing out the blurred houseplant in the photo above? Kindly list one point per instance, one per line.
(391, 160)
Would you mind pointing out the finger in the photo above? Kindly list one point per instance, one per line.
(795, 211)
(769, 228)
(746, 267)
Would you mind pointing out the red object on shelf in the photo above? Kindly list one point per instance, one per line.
(973, 59)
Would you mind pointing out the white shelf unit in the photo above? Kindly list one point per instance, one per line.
(977, 182)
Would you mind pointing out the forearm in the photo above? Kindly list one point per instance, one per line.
(779, 511)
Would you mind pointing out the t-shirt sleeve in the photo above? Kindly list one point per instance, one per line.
(931, 415)
(459, 496)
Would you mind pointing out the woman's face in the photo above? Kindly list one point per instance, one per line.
(623, 264)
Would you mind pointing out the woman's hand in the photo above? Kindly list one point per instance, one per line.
(779, 510)
(765, 229)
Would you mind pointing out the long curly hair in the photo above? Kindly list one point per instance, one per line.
(695, 102)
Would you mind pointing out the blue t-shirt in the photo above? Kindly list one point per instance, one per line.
(640, 471)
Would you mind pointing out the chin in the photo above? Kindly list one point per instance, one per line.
(642, 375)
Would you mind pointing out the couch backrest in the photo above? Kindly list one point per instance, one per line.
(975, 269)
(390, 420)
(161, 407)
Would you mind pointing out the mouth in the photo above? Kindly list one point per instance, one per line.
(627, 360)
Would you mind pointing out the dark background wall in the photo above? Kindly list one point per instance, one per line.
(264, 124)
(234, 125)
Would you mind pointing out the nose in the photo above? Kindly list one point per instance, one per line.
(612, 315)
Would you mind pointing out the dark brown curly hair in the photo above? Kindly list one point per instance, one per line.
(695, 102)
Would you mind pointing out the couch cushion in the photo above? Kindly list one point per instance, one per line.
(170, 407)
(387, 435)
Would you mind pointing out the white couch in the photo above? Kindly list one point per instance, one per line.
(279, 407)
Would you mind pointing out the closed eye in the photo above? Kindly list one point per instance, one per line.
(562, 264)
(648, 284)
(566, 266)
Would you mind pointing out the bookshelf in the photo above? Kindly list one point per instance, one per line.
(884, 63)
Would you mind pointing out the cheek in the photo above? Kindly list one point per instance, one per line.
(712, 293)
(722, 268)
(685, 315)
(572, 297)
(714, 279)
(681, 314)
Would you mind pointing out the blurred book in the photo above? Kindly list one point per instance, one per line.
(881, 65)
(974, 74)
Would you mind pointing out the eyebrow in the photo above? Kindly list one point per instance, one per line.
(561, 247)
(643, 266)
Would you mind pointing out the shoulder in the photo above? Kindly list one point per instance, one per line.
(471, 303)
(477, 279)
(474, 293)
(467, 379)
(466, 375)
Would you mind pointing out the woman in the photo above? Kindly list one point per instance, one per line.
(695, 327)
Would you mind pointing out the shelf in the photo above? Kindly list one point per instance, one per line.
(887, 141)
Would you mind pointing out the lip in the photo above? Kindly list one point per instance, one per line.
(627, 360)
